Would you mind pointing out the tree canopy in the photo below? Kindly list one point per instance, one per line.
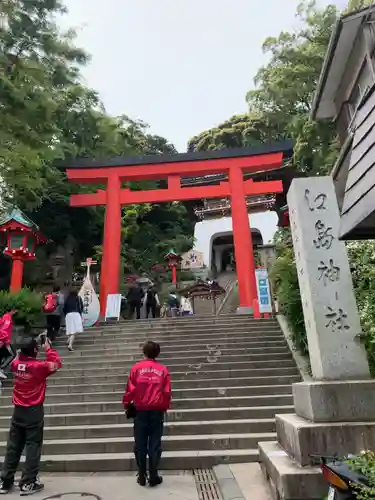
(279, 105)
(48, 114)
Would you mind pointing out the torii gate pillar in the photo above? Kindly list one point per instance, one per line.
(110, 268)
(243, 244)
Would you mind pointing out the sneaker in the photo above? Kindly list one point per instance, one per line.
(5, 487)
(141, 479)
(31, 488)
(2, 375)
(155, 481)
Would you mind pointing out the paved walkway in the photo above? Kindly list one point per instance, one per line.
(237, 482)
(113, 487)
(251, 481)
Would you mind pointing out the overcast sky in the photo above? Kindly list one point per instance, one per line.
(182, 66)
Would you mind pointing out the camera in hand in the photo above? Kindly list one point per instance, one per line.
(131, 411)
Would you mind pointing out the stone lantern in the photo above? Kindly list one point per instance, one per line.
(22, 238)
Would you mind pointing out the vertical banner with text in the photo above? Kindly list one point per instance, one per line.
(91, 305)
(263, 288)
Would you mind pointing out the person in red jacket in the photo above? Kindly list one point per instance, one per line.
(6, 351)
(149, 390)
(26, 428)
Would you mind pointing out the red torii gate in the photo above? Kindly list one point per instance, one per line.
(234, 163)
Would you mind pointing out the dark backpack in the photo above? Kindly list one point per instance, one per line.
(151, 297)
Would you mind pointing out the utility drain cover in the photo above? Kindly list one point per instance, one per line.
(206, 484)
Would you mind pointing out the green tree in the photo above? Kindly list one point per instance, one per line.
(280, 104)
(244, 130)
(285, 86)
(37, 65)
(47, 114)
(355, 5)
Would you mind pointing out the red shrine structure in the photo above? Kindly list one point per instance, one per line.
(173, 259)
(235, 165)
(22, 238)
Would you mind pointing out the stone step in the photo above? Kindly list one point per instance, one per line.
(173, 352)
(214, 357)
(171, 339)
(201, 330)
(131, 326)
(196, 332)
(165, 341)
(170, 443)
(118, 417)
(230, 376)
(212, 366)
(69, 378)
(207, 343)
(215, 383)
(205, 392)
(177, 404)
(171, 460)
(134, 354)
(209, 357)
(182, 322)
(170, 429)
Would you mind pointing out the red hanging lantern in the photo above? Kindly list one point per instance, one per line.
(284, 217)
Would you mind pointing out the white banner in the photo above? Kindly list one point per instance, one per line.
(91, 305)
(263, 288)
(113, 308)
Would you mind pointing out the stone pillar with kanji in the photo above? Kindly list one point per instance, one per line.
(335, 409)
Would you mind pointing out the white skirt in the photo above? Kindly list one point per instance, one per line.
(73, 323)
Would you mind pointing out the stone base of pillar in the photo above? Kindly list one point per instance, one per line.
(288, 480)
(301, 438)
(332, 419)
(335, 401)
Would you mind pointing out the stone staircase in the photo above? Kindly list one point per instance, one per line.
(204, 307)
(230, 376)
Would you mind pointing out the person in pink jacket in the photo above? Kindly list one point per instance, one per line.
(6, 351)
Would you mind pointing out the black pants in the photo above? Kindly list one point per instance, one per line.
(53, 326)
(135, 306)
(6, 356)
(151, 308)
(26, 431)
(148, 431)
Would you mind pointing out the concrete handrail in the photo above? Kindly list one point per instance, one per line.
(227, 295)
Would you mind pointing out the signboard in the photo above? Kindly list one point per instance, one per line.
(192, 260)
(263, 288)
(91, 306)
(113, 308)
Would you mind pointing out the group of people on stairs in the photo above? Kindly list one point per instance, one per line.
(174, 306)
(58, 306)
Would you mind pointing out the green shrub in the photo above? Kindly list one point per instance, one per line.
(362, 263)
(284, 279)
(365, 464)
(27, 303)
